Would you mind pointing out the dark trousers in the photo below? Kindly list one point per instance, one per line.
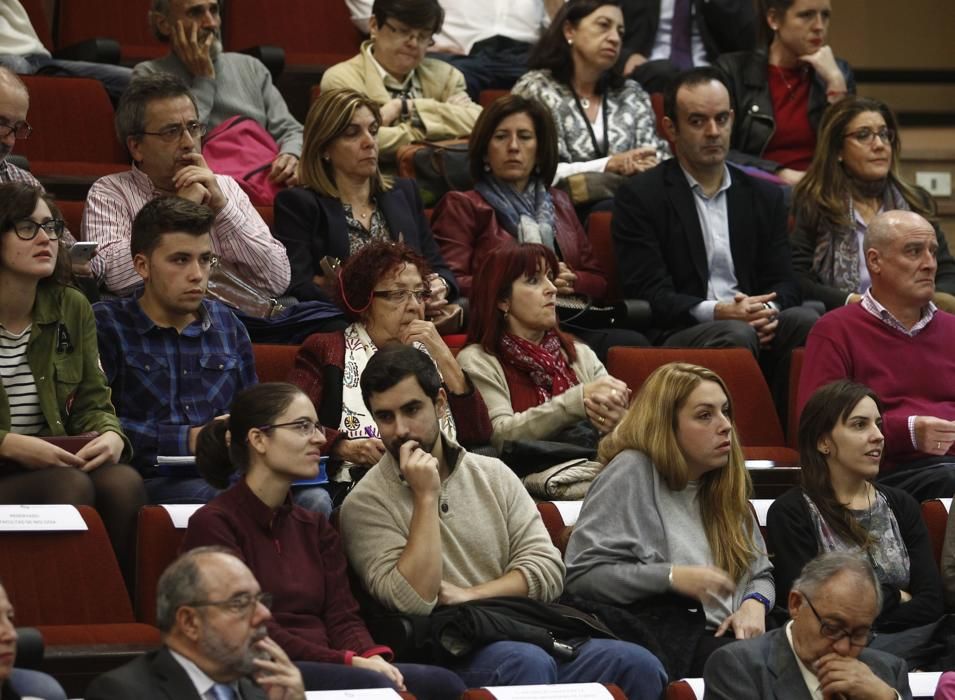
(493, 64)
(925, 479)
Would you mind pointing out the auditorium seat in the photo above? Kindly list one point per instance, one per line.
(795, 369)
(267, 213)
(68, 585)
(310, 38)
(558, 530)
(157, 545)
(935, 516)
(122, 20)
(72, 212)
(680, 690)
(636, 311)
(759, 428)
(274, 362)
(487, 97)
(73, 135)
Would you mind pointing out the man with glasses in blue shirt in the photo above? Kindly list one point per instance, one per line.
(822, 651)
(157, 121)
(212, 615)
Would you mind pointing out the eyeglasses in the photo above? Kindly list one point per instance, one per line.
(423, 38)
(20, 130)
(401, 296)
(303, 426)
(239, 605)
(858, 637)
(866, 136)
(27, 229)
(174, 132)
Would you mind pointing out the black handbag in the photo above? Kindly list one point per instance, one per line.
(438, 167)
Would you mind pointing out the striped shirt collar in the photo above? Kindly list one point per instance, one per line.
(870, 304)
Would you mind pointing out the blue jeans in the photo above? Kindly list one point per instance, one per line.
(170, 489)
(35, 684)
(424, 682)
(493, 64)
(638, 672)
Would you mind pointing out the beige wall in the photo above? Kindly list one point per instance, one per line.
(898, 34)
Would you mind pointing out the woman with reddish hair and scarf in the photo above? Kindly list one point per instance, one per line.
(383, 291)
(537, 382)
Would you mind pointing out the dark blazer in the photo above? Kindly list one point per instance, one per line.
(659, 242)
(311, 226)
(727, 25)
(765, 668)
(753, 123)
(156, 676)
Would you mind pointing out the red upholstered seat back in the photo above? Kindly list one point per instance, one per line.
(310, 33)
(274, 362)
(72, 121)
(554, 522)
(936, 519)
(72, 212)
(122, 20)
(755, 414)
(680, 690)
(598, 231)
(157, 545)
(795, 369)
(64, 578)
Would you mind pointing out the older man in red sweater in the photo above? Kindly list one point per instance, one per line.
(899, 344)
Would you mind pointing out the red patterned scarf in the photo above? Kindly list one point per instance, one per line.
(543, 362)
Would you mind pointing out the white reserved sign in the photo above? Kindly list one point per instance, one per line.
(366, 694)
(39, 518)
(566, 691)
(922, 684)
(696, 685)
(180, 513)
(569, 510)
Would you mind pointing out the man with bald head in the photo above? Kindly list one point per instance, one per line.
(900, 345)
(822, 652)
(212, 614)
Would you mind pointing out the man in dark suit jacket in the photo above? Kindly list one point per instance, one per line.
(212, 613)
(705, 244)
(832, 605)
(714, 27)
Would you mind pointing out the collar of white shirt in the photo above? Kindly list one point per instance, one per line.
(199, 679)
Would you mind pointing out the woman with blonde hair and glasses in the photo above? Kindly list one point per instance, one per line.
(853, 177)
(344, 202)
(670, 515)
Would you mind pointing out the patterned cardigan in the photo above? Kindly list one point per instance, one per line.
(631, 122)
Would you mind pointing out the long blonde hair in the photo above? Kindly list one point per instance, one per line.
(650, 426)
(327, 119)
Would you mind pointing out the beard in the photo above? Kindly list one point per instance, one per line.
(427, 444)
(239, 661)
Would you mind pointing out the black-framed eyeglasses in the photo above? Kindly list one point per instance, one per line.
(20, 130)
(174, 132)
(240, 605)
(858, 637)
(303, 426)
(27, 229)
(401, 296)
(422, 37)
(866, 136)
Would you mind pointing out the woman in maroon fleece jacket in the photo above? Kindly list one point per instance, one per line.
(272, 438)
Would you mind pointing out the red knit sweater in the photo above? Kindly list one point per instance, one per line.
(913, 376)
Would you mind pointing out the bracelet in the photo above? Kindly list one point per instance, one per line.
(760, 598)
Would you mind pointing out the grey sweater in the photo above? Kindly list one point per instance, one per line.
(243, 86)
(632, 527)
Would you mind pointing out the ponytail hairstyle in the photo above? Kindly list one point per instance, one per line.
(222, 447)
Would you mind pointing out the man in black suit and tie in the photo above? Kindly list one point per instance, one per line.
(705, 243)
(211, 612)
(819, 654)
